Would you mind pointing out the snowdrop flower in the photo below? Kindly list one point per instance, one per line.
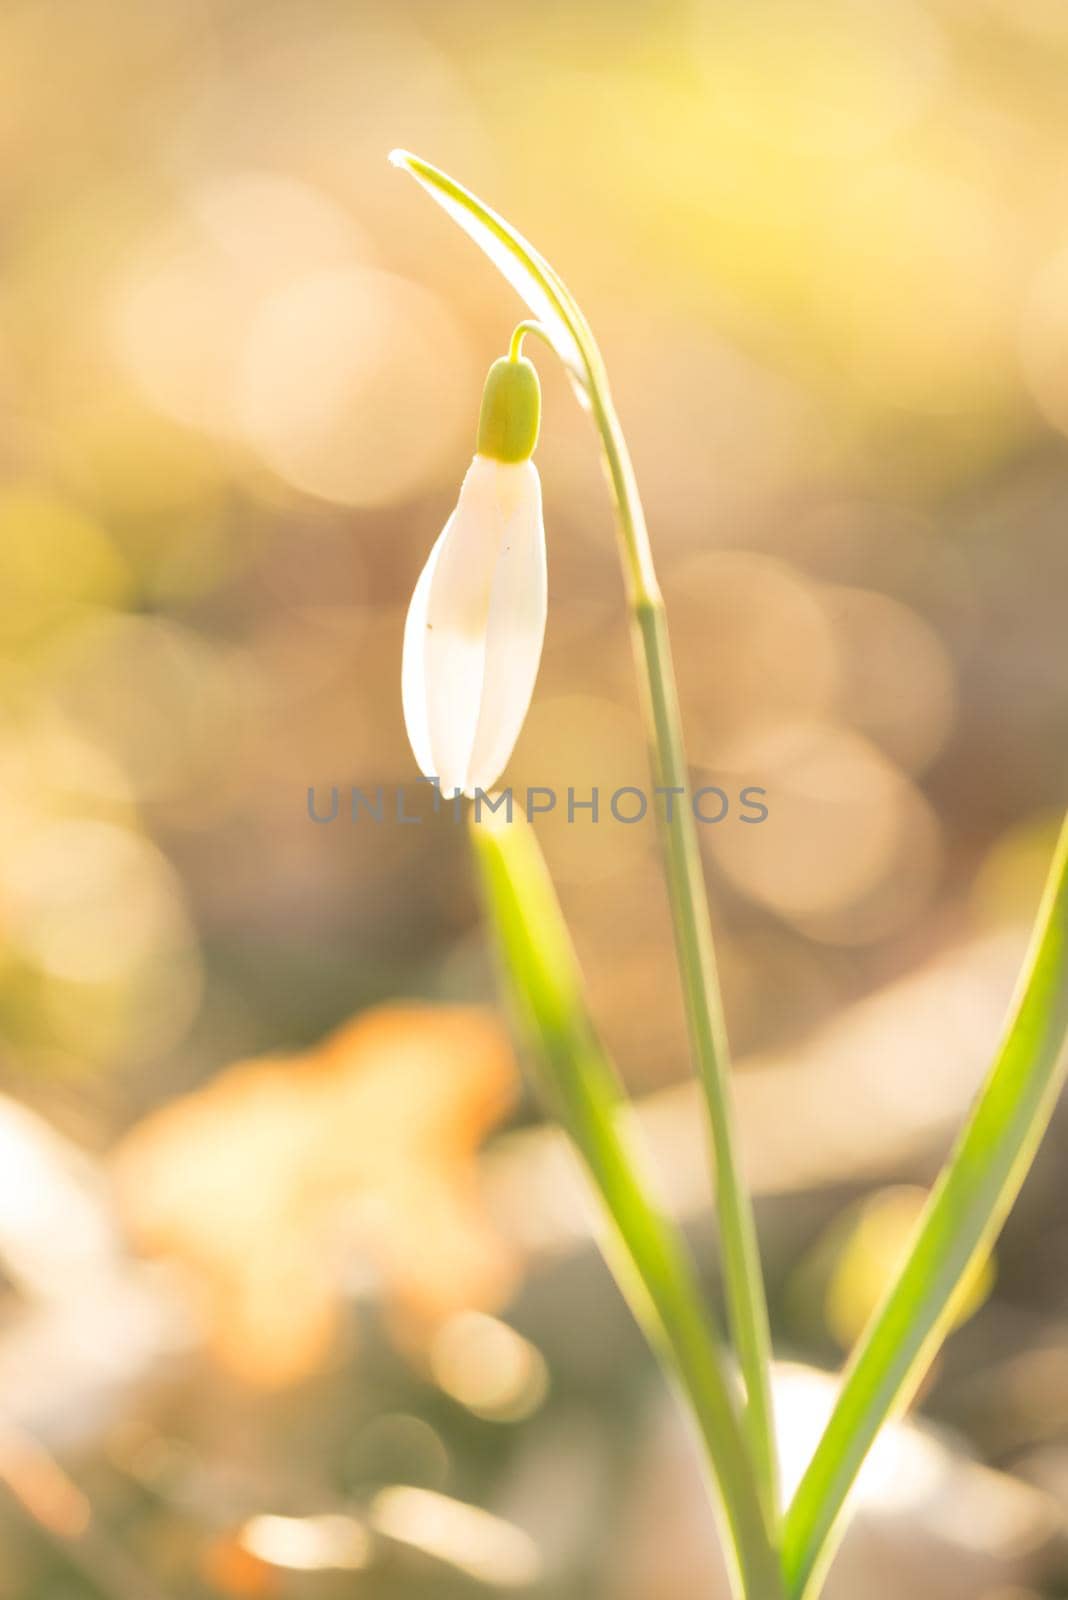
(472, 641)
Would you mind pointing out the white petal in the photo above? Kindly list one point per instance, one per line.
(515, 633)
(473, 637)
(413, 668)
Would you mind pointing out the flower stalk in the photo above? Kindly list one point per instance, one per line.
(743, 1277)
(746, 1302)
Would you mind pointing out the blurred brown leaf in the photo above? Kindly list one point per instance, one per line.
(272, 1179)
(232, 1570)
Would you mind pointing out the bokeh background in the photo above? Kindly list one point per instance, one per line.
(299, 1297)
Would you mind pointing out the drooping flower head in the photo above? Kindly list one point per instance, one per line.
(473, 637)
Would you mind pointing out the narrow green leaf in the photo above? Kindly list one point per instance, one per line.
(967, 1208)
(643, 1248)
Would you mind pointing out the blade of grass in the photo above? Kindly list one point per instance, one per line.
(966, 1209)
(569, 333)
(645, 1251)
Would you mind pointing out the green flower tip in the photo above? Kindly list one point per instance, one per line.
(511, 410)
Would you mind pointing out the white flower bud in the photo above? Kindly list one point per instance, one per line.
(473, 638)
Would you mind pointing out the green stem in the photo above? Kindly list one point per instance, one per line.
(692, 928)
(693, 933)
(747, 1306)
(744, 1281)
(746, 1301)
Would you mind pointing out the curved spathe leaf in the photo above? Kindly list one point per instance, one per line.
(516, 259)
